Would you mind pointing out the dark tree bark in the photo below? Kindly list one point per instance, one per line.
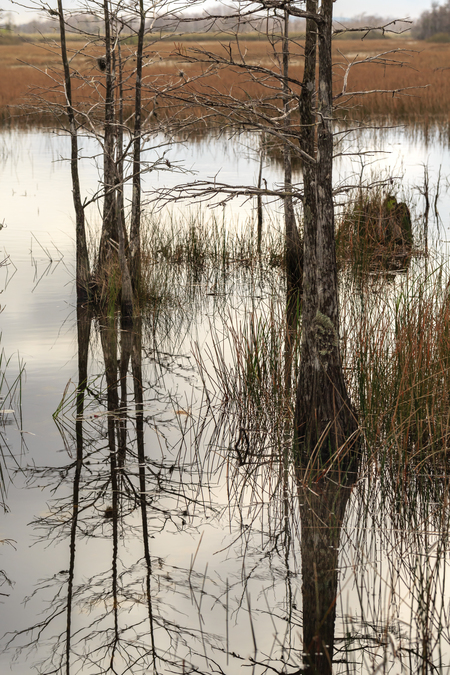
(126, 305)
(83, 275)
(307, 139)
(259, 204)
(324, 418)
(135, 228)
(110, 233)
(293, 243)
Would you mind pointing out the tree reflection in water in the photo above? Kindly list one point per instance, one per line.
(265, 594)
(120, 494)
(322, 509)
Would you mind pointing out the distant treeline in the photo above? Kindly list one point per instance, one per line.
(218, 19)
(434, 24)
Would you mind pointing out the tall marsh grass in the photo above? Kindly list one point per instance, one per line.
(199, 241)
(395, 332)
(398, 359)
(187, 251)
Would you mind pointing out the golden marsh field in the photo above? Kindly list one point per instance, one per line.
(415, 73)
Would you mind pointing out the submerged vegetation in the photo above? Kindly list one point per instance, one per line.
(10, 455)
(10, 417)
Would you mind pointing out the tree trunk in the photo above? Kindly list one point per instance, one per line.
(83, 274)
(307, 140)
(126, 306)
(109, 225)
(259, 204)
(293, 243)
(135, 228)
(324, 417)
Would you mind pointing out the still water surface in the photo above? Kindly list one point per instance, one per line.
(227, 542)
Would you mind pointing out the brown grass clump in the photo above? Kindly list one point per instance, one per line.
(375, 232)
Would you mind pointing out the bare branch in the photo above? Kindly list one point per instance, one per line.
(384, 28)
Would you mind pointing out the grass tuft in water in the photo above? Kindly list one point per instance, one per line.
(375, 232)
(190, 250)
(199, 241)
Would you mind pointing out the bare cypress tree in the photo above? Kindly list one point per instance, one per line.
(110, 89)
(324, 417)
(293, 242)
(307, 103)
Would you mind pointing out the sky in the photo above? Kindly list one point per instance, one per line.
(399, 9)
(392, 8)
